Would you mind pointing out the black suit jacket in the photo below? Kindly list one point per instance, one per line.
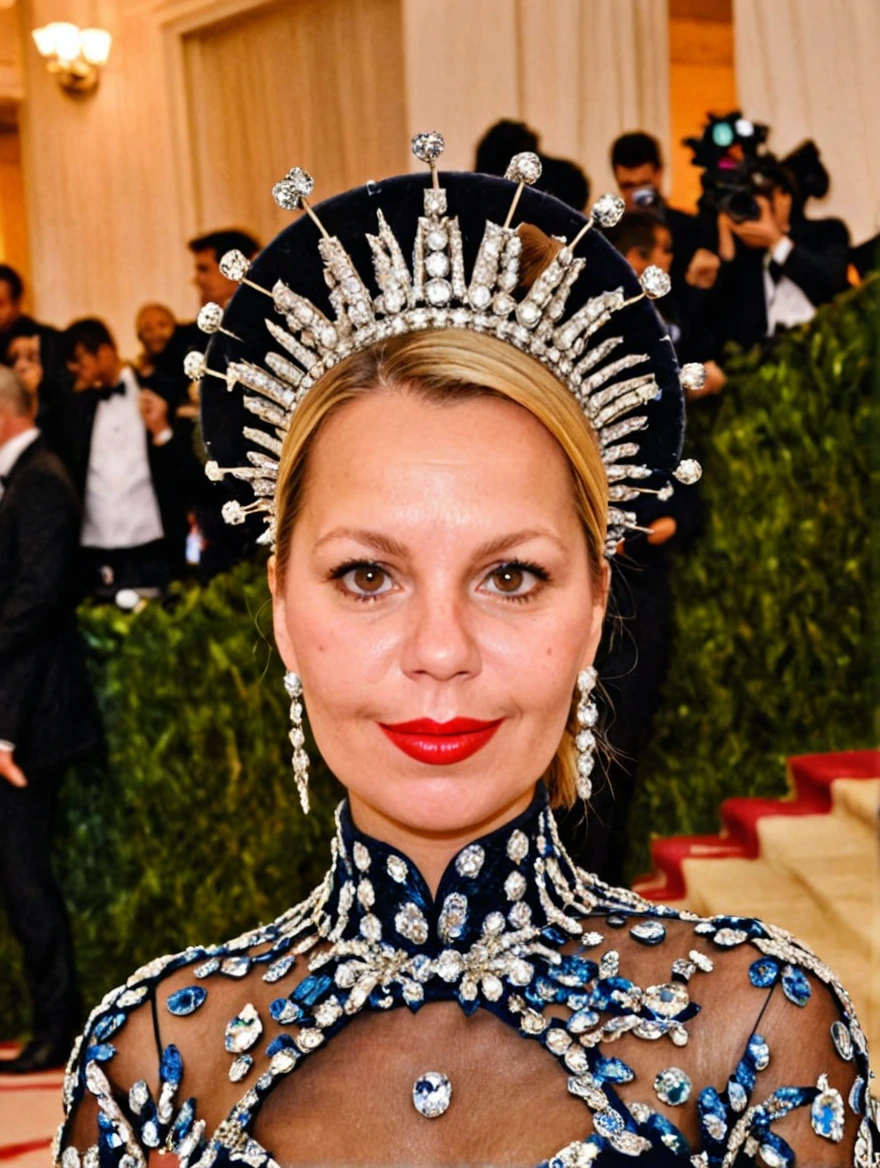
(46, 708)
(817, 264)
(174, 468)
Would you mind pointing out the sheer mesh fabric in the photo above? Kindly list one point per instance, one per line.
(350, 1102)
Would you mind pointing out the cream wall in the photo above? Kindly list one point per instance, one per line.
(118, 181)
(106, 230)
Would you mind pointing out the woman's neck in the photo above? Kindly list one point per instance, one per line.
(431, 852)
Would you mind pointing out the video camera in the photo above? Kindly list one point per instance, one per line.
(735, 172)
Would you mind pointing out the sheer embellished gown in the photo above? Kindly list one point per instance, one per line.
(526, 1015)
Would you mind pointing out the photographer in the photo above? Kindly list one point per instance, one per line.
(638, 171)
(779, 266)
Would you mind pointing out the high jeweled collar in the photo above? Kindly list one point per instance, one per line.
(517, 876)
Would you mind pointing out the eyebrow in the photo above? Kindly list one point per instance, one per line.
(392, 547)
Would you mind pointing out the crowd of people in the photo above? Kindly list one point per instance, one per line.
(102, 495)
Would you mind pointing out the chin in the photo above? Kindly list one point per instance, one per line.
(444, 803)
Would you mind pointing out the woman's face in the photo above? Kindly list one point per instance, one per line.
(437, 570)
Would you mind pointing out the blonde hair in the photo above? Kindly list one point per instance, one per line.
(452, 365)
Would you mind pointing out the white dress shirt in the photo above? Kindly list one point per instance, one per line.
(787, 304)
(12, 449)
(120, 509)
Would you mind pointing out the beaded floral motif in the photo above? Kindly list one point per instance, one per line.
(555, 975)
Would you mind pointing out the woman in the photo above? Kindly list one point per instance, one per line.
(434, 464)
(154, 325)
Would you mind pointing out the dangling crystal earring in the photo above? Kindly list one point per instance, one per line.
(585, 742)
(294, 688)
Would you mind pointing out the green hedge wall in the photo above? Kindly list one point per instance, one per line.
(190, 830)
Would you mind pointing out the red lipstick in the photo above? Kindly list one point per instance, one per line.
(440, 743)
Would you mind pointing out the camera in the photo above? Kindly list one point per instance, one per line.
(727, 153)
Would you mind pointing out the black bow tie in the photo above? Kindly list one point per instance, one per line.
(107, 391)
(775, 270)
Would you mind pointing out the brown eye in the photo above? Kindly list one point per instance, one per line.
(368, 579)
(508, 579)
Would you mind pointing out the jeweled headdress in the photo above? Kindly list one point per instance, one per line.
(338, 280)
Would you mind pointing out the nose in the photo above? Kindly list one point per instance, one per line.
(440, 641)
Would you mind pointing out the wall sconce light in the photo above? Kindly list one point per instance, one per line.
(74, 55)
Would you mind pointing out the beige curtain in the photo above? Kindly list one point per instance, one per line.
(809, 69)
(315, 84)
(580, 71)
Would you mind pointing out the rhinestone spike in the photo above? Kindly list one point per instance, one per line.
(234, 264)
(194, 366)
(428, 146)
(608, 210)
(693, 375)
(296, 185)
(688, 471)
(524, 168)
(210, 317)
(655, 282)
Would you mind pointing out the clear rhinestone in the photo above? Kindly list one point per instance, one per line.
(667, 1000)
(397, 869)
(282, 1062)
(449, 965)
(410, 923)
(649, 932)
(701, 960)
(492, 987)
(194, 366)
(585, 741)
(520, 915)
(842, 1040)
(771, 1157)
(240, 1067)
(243, 1030)
(524, 168)
(518, 846)
(587, 678)
(826, 1112)
(693, 375)
(587, 713)
(673, 1086)
(371, 927)
(494, 924)
(558, 1040)
(428, 146)
(361, 857)
(432, 1094)
(296, 185)
(328, 1012)
(515, 886)
(234, 264)
(655, 282)
(688, 471)
(469, 861)
(210, 317)
(453, 916)
(438, 292)
(736, 1093)
(608, 209)
(437, 264)
(728, 938)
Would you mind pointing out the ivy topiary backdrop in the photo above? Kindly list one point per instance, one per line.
(190, 830)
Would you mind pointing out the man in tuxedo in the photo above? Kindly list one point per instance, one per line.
(131, 471)
(776, 269)
(47, 716)
(638, 171)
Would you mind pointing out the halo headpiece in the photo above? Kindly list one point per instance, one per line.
(337, 281)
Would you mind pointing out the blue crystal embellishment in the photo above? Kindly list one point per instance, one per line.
(673, 1086)
(186, 1001)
